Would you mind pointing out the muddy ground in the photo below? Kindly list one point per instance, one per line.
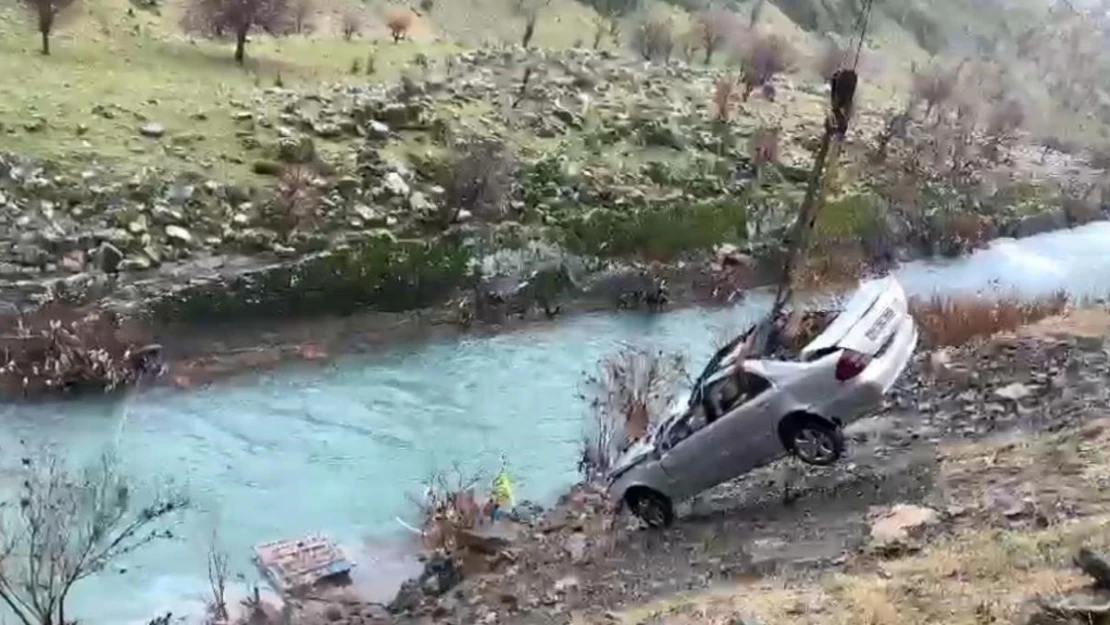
(792, 521)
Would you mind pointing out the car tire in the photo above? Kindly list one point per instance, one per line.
(651, 507)
(815, 441)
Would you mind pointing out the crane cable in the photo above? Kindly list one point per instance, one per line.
(842, 97)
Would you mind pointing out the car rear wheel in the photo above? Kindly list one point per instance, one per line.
(651, 507)
(816, 441)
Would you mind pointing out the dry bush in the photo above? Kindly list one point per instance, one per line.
(46, 14)
(712, 29)
(351, 21)
(830, 265)
(761, 58)
(832, 59)
(217, 581)
(296, 200)
(399, 22)
(449, 506)
(237, 18)
(653, 38)
(956, 320)
(934, 86)
(763, 146)
(68, 526)
(480, 180)
(628, 395)
(301, 16)
(59, 348)
(1006, 117)
(724, 89)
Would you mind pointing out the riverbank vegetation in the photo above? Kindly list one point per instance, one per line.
(274, 187)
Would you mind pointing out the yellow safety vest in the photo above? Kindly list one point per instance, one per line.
(502, 490)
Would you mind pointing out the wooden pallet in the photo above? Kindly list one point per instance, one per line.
(292, 564)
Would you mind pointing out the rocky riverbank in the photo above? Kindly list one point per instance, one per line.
(502, 184)
(1001, 436)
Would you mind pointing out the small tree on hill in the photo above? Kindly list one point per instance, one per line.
(530, 10)
(654, 37)
(351, 20)
(713, 27)
(46, 14)
(66, 526)
(761, 58)
(399, 22)
(609, 14)
(215, 18)
(301, 16)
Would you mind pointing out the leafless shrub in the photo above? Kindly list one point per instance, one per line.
(761, 58)
(69, 525)
(60, 348)
(301, 16)
(399, 22)
(724, 89)
(609, 14)
(217, 18)
(934, 86)
(712, 29)
(832, 59)
(449, 506)
(217, 581)
(351, 21)
(653, 38)
(763, 146)
(295, 201)
(480, 180)
(1006, 117)
(630, 393)
(46, 14)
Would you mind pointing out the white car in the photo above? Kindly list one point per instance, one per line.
(745, 413)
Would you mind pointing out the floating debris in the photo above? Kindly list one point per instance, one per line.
(294, 564)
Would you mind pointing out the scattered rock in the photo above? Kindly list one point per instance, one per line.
(107, 258)
(1015, 391)
(395, 184)
(153, 130)
(898, 528)
(179, 234)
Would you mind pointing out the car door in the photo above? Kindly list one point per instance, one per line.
(746, 436)
(688, 464)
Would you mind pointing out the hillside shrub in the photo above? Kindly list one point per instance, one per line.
(662, 233)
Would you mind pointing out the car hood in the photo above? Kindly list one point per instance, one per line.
(633, 455)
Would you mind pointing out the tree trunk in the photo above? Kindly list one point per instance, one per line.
(240, 46)
(46, 24)
(529, 31)
(708, 54)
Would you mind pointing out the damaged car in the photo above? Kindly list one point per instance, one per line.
(743, 413)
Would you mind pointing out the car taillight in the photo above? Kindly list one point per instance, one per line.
(850, 365)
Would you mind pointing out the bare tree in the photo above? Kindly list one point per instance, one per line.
(46, 14)
(761, 58)
(302, 16)
(215, 18)
(713, 27)
(610, 13)
(399, 22)
(217, 579)
(530, 10)
(654, 37)
(351, 21)
(67, 526)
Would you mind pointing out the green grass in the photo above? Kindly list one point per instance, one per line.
(141, 68)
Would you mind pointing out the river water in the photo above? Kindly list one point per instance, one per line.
(339, 449)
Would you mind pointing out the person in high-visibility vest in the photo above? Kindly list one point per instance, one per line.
(501, 496)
